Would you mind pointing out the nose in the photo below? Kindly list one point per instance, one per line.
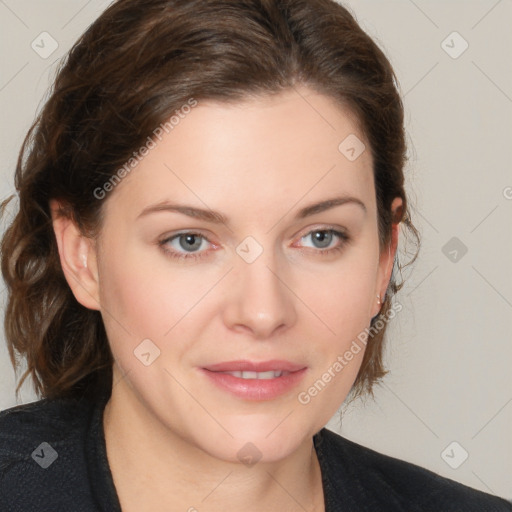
(258, 299)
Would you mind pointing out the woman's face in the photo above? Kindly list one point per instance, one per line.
(268, 282)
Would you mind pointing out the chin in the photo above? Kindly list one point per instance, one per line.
(259, 438)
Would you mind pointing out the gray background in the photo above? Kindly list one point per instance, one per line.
(449, 349)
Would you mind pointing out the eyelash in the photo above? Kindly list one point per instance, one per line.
(344, 238)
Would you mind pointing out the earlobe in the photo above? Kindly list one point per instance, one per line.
(78, 260)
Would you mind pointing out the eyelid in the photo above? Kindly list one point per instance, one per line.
(326, 227)
(322, 227)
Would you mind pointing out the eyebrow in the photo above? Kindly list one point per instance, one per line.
(218, 218)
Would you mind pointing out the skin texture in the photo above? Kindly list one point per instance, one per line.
(172, 437)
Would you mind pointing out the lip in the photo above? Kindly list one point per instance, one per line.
(253, 366)
(255, 389)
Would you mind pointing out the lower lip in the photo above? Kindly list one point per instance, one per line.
(256, 389)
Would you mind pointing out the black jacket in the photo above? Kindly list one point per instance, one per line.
(53, 458)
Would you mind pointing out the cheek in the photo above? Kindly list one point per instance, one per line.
(146, 297)
(133, 309)
(141, 293)
(342, 296)
(343, 307)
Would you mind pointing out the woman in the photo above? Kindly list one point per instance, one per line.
(200, 271)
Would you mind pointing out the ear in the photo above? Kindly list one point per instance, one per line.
(77, 257)
(387, 259)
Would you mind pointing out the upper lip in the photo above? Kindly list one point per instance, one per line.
(254, 366)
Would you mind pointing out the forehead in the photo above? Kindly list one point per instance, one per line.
(263, 152)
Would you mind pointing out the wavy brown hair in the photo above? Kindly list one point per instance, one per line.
(127, 74)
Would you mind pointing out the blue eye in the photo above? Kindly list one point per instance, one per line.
(323, 238)
(189, 245)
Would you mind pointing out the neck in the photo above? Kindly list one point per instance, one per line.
(155, 469)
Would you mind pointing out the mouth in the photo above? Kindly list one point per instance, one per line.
(244, 365)
(255, 380)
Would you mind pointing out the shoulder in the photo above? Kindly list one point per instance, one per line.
(400, 485)
(46, 420)
(41, 450)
